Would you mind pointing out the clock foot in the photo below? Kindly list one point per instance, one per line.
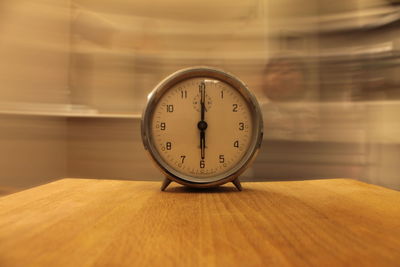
(236, 182)
(165, 184)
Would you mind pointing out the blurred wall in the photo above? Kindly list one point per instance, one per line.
(78, 72)
(122, 49)
(34, 52)
(32, 151)
(108, 148)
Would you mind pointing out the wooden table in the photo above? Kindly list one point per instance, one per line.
(80, 222)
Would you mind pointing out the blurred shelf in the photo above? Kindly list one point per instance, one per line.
(357, 20)
(74, 115)
(61, 110)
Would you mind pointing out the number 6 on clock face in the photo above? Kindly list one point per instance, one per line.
(202, 127)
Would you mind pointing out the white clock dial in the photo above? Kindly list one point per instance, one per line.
(178, 138)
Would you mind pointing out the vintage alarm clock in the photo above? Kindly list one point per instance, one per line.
(202, 127)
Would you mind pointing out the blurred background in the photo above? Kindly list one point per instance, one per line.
(74, 76)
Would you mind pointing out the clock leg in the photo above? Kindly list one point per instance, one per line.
(165, 184)
(236, 182)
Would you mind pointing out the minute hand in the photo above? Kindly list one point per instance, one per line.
(202, 100)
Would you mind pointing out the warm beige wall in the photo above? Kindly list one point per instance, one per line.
(34, 62)
(122, 49)
(108, 148)
(32, 150)
(34, 51)
(141, 43)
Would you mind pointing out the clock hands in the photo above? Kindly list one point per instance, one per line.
(202, 125)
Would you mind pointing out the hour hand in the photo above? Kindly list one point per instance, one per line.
(202, 143)
(202, 125)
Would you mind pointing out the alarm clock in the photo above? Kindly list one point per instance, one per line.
(202, 127)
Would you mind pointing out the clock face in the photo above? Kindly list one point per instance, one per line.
(201, 128)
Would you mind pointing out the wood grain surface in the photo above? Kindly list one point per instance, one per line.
(81, 222)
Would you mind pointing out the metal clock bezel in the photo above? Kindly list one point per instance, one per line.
(209, 72)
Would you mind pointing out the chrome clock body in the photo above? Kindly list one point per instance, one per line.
(202, 127)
